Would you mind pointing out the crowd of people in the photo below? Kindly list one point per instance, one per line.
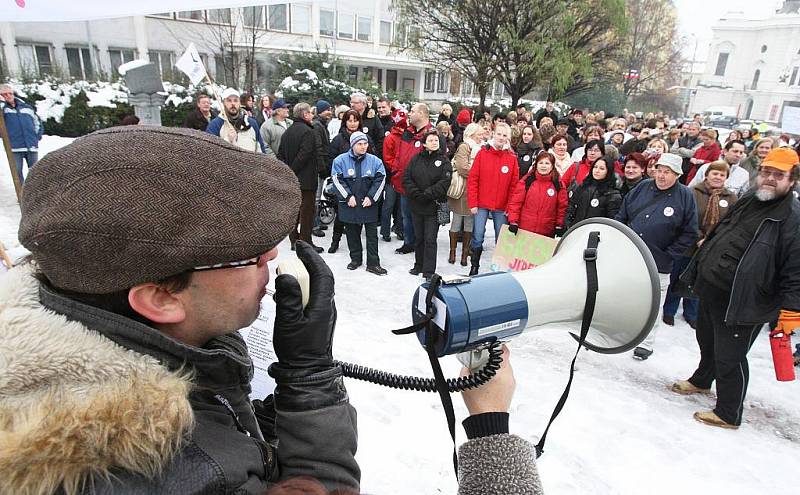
(119, 281)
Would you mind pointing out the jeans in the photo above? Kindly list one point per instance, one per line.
(673, 300)
(479, 226)
(31, 157)
(353, 233)
(387, 209)
(427, 228)
(408, 222)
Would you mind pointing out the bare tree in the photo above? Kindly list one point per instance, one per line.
(236, 38)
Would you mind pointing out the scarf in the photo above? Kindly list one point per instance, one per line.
(562, 165)
(711, 216)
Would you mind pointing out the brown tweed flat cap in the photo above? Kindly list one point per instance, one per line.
(136, 204)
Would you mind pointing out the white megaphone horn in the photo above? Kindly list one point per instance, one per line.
(476, 312)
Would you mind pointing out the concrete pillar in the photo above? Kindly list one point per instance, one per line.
(421, 84)
(141, 36)
(10, 49)
(315, 23)
(376, 26)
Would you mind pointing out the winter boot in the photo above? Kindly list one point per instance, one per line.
(476, 261)
(685, 387)
(710, 418)
(335, 243)
(453, 245)
(465, 248)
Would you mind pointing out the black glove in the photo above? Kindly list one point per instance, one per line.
(513, 228)
(303, 338)
(559, 232)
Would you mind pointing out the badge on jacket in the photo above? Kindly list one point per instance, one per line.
(595, 203)
(365, 130)
(351, 171)
(438, 163)
(385, 133)
(526, 158)
(417, 144)
(723, 203)
(551, 192)
(504, 169)
(668, 211)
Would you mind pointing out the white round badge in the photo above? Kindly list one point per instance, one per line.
(595, 202)
(526, 158)
(438, 163)
(417, 144)
(551, 192)
(351, 171)
(668, 211)
(570, 193)
(504, 169)
(366, 130)
(385, 133)
(723, 203)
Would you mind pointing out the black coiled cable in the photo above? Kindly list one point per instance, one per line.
(402, 382)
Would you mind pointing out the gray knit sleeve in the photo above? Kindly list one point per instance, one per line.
(498, 464)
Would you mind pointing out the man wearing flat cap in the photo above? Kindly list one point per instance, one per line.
(663, 212)
(121, 370)
(746, 273)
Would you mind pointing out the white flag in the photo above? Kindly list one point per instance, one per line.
(191, 64)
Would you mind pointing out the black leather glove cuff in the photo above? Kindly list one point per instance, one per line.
(486, 424)
(306, 389)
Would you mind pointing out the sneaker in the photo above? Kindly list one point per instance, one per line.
(353, 265)
(669, 320)
(404, 249)
(710, 418)
(415, 271)
(641, 353)
(386, 238)
(317, 232)
(377, 270)
(685, 387)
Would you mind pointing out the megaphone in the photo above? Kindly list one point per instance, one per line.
(473, 313)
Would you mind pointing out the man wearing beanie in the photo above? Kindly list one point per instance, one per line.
(662, 211)
(359, 178)
(121, 370)
(746, 273)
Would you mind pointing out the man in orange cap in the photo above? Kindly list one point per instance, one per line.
(746, 273)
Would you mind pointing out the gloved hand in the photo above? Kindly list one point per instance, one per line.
(559, 232)
(513, 228)
(303, 338)
(788, 322)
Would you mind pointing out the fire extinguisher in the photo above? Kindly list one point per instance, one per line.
(782, 359)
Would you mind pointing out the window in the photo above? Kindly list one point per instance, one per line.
(163, 61)
(327, 22)
(364, 28)
(346, 22)
(253, 17)
(219, 16)
(443, 81)
(301, 19)
(794, 80)
(756, 75)
(192, 15)
(35, 59)
(722, 63)
(352, 73)
(168, 15)
(278, 18)
(119, 57)
(386, 32)
(367, 73)
(391, 80)
(430, 81)
(79, 61)
(409, 84)
(379, 79)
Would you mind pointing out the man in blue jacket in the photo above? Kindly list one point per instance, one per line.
(664, 214)
(239, 129)
(24, 129)
(359, 178)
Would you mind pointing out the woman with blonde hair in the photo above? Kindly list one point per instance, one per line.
(760, 150)
(462, 216)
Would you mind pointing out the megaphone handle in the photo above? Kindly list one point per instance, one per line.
(474, 360)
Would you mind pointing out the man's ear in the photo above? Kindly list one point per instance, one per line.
(156, 303)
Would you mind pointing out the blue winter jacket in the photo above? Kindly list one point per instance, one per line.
(24, 127)
(665, 220)
(358, 176)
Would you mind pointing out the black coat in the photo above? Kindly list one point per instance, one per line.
(526, 154)
(324, 159)
(592, 199)
(426, 181)
(196, 120)
(341, 144)
(372, 127)
(299, 150)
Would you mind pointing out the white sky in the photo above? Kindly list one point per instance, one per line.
(697, 17)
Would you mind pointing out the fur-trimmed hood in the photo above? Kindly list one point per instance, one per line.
(74, 404)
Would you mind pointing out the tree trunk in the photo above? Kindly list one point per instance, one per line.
(482, 90)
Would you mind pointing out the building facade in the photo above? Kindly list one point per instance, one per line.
(359, 33)
(753, 66)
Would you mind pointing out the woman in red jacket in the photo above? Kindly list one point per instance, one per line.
(709, 152)
(493, 176)
(539, 201)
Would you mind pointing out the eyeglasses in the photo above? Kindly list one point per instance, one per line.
(231, 264)
(775, 174)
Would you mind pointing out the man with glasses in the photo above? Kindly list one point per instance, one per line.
(24, 129)
(746, 273)
(122, 369)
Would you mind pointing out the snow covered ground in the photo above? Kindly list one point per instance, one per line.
(622, 431)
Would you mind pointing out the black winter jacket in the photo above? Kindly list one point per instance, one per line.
(299, 150)
(526, 154)
(324, 159)
(767, 277)
(592, 199)
(426, 180)
(372, 127)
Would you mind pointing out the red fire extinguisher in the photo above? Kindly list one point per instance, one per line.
(781, 344)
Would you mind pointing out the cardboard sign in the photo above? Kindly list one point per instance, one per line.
(523, 251)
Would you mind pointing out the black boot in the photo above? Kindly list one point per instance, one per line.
(475, 256)
(335, 243)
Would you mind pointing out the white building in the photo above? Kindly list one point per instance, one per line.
(753, 66)
(359, 33)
